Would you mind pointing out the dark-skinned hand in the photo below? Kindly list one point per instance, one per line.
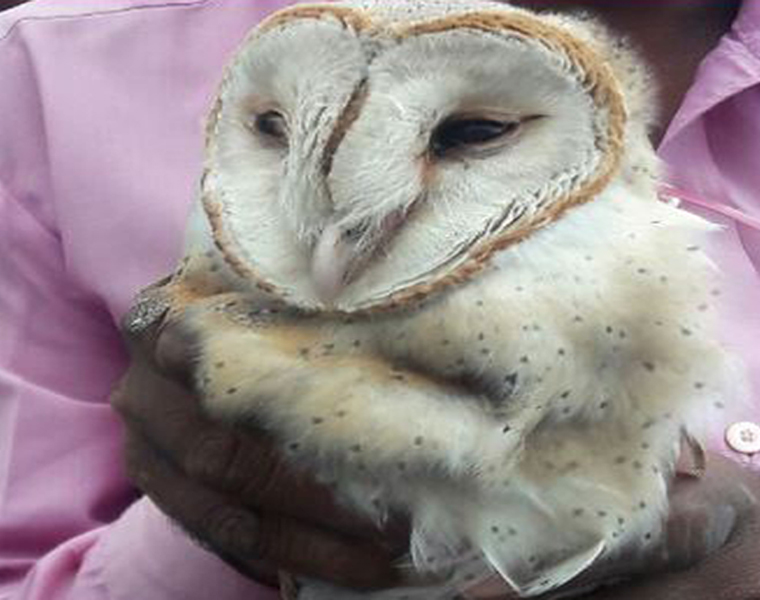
(233, 493)
(230, 489)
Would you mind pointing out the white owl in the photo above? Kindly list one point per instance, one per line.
(430, 258)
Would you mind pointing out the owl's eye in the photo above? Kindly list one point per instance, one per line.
(460, 133)
(355, 233)
(271, 124)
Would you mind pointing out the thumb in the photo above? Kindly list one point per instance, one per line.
(156, 335)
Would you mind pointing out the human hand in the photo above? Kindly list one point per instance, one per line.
(230, 489)
(713, 541)
(709, 552)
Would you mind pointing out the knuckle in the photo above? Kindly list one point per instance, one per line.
(174, 348)
(136, 467)
(275, 541)
(119, 398)
(210, 459)
(221, 459)
(137, 474)
(233, 530)
(265, 483)
(133, 471)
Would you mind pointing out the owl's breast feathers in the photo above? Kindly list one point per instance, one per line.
(544, 399)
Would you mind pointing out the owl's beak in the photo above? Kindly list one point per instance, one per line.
(341, 254)
(331, 262)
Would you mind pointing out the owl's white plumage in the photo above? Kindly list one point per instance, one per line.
(505, 339)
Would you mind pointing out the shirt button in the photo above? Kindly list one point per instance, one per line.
(744, 437)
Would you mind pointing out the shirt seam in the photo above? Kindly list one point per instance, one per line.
(13, 199)
(14, 334)
(97, 13)
(751, 41)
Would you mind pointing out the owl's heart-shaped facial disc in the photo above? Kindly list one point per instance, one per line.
(358, 163)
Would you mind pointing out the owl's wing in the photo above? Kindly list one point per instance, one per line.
(323, 392)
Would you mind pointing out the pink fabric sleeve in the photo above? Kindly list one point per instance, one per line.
(141, 555)
(70, 524)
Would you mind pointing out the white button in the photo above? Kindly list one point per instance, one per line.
(744, 437)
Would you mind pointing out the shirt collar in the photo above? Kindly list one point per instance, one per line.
(730, 68)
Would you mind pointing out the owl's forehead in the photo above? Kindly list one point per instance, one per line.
(368, 29)
(379, 14)
(405, 11)
(390, 22)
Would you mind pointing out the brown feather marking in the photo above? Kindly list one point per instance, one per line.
(349, 17)
(347, 118)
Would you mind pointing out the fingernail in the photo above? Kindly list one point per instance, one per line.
(722, 524)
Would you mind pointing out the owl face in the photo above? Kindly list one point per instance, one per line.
(362, 157)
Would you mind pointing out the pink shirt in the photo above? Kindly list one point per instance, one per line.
(100, 150)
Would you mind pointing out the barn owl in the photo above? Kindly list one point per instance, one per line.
(429, 257)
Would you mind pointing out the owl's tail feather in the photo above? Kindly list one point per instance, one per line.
(526, 582)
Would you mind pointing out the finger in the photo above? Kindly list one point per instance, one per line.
(139, 462)
(232, 531)
(492, 589)
(233, 462)
(157, 333)
(176, 352)
(711, 525)
(704, 513)
(730, 574)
